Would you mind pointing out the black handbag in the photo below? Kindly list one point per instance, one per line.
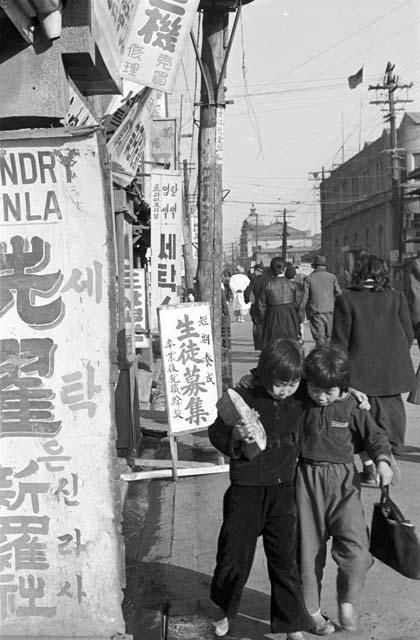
(393, 539)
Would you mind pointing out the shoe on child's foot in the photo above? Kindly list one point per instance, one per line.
(368, 475)
(321, 625)
(221, 627)
(295, 635)
(348, 616)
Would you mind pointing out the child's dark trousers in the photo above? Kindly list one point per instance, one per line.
(249, 512)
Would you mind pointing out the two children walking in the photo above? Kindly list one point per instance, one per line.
(319, 421)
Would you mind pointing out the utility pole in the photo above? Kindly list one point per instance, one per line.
(284, 234)
(254, 212)
(213, 60)
(318, 177)
(390, 85)
(188, 257)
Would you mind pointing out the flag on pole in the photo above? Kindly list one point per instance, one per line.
(356, 79)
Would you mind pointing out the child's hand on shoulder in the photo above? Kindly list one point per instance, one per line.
(247, 381)
(361, 398)
(246, 431)
(384, 473)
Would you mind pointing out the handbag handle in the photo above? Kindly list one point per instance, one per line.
(393, 511)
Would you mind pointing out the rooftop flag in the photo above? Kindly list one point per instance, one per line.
(356, 79)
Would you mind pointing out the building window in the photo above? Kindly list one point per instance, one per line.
(367, 242)
(416, 160)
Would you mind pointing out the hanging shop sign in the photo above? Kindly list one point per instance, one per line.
(128, 143)
(141, 308)
(166, 240)
(188, 364)
(163, 142)
(156, 42)
(113, 20)
(57, 312)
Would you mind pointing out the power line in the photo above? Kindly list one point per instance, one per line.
(318, 55)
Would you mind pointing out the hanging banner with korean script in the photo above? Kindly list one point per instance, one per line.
(141, 308)
(156, 42)
(127, 145)
(188, 364)
(57, 334)
(166, 240)
(163, 141)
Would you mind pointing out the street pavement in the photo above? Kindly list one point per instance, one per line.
(171, 531)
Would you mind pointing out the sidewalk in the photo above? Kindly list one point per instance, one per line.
(171, 533)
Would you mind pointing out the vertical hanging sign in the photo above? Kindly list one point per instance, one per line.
(141, 308)
(57, 310)
(166, 240)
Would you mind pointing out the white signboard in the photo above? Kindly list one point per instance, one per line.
(188, 364)
(112, 22)
(127, 144)
(156, 42)
(141, 308)
(57, 308)
(166, 240)
(163, 141)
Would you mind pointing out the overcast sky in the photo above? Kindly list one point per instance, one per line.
(287, 74)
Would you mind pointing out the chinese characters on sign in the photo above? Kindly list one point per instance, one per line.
(55, 402)
(166, 239)
(127, 144)
(188, 363)
(156, 42)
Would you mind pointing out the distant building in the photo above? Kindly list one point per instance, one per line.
(357, 208)
(262, 242)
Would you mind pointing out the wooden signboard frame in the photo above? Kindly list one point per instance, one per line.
(203, 402)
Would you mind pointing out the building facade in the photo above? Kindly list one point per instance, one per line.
(261, 242)
(358, 210)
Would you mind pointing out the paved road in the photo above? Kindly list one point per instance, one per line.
(178, 551)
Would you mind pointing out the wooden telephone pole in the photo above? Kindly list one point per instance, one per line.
(284, 234)
(213, 60)
(391, 84)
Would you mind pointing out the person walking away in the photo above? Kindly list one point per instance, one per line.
(328, 486)
(291, 273)
(238, 283)
(261, 497)
(413, 296)
(251, 295)
(320, 290)
(372, 326)
(280, 305)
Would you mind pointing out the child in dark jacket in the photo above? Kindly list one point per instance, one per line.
(261, 497)
(328, 486)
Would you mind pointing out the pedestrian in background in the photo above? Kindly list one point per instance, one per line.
(251, 295)
(320, 290)
(280, 305)
(372, 325)
(238, 283)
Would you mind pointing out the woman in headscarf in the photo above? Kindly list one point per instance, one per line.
(280, 305)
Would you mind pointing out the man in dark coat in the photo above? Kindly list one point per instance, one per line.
(320, 290)
(250, 295)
